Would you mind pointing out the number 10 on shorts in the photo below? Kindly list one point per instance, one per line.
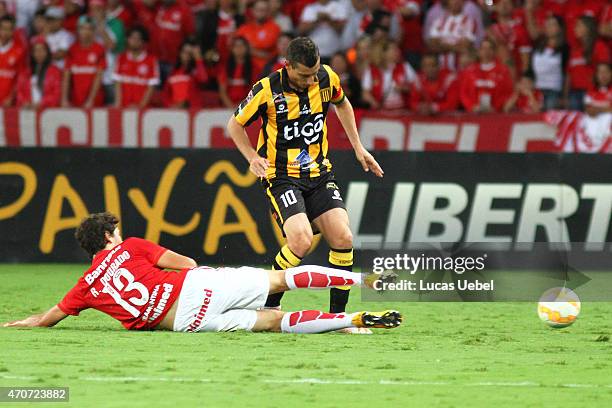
(288, 198)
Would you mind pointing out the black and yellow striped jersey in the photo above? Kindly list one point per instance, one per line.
(293, 134)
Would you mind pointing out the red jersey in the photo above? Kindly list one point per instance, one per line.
(442, 93)
(226, 26)
(84, 63)
(237, 86)
(261, 37)
(47, 97)
(135, 75)
(172, 25)
(182, 86)
(574, 9)
(599, 97)
(513, 35)
(412, 39)
(486, 84)
(523, 105)
(12, 59)
(126, 284)
(145, 15)
(580, 73)
(121, 13)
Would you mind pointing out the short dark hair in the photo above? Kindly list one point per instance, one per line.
(302, 50)
(8, 18)
(91, 234)
(144, 34)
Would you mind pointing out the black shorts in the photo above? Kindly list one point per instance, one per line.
(289, 196)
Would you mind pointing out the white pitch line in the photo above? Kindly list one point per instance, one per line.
(145, 379)
(322, 381)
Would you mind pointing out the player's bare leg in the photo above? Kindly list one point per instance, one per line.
(315, 321)
(299, 240)
(334, 225)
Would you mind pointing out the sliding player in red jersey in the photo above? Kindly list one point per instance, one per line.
(127, 281)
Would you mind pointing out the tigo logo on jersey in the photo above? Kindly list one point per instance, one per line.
(311, 131)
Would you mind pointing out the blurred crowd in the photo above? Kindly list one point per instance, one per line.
(426, 56)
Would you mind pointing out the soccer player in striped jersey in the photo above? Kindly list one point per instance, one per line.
(291, 158)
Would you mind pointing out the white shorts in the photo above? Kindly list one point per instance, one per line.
(223, 299)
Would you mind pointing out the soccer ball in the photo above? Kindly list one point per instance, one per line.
(559, 307)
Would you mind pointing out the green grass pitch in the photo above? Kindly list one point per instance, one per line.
(445, 354)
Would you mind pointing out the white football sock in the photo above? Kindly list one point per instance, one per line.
(320, 277)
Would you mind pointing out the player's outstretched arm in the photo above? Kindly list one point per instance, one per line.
(346, 115)
(172, 260)
(257, 164)
(47, 319)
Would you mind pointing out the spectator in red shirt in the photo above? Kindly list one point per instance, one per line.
(73, 9)
(599, 98)
(145, 12)
(513, 42)
(216, 27)
(412, 38)
(436, 90)
(584, 55)
(386, 84)
(236, 76)
(605, 25)
(136, 72)
(525, 98)
(281, 50)
(85, 65)
(173, 24)
(39, 85)
(487, 85)
(12, 60)
(452, 33)
(262, 34)
(116, 9)
(181, 89)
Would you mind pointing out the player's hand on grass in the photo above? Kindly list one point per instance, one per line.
(258, 166)
(27, 322)
(368, 162)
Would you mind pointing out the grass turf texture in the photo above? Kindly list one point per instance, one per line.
(445, 354)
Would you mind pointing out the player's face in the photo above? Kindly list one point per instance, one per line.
(6, 32)
(429, 66)
(135, 42)
(86, 33)
(603, 75)
(116, 237)
(302, 77)
(39, 53)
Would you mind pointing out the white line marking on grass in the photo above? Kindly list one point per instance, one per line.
(145, 379)
(17, 377)
(321, 381)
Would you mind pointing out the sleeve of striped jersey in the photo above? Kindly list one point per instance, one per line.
(337, 92)
(249, 109)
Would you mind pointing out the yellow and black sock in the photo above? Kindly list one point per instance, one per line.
(338, 297)
(284, 259)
